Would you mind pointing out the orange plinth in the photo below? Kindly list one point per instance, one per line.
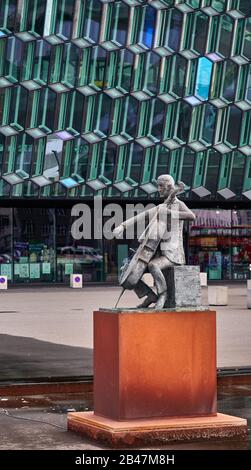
(151, 364)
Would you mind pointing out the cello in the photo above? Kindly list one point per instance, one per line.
(133, 271)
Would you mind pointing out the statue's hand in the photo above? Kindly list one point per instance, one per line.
(118, 231)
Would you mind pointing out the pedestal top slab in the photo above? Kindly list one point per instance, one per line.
(200, 309)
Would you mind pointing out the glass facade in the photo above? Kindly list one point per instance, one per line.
(220, 242)
(36, 246)
(102, 96)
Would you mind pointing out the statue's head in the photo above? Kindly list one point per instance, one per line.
(165, 185)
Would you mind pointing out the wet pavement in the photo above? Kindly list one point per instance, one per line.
(44, 428)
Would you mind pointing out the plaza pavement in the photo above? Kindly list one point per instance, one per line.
(46, 332)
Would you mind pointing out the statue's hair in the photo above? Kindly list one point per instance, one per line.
(165, 178)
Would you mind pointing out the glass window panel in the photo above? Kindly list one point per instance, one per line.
(248, 92)
(163, 156)
(234, 125)
(1, 151)
(245, 7)
(196, 32)
(172, 115)
(225, 170)
(8, 10)
(209, 121)
(92, 70)
(200, 166)
(200, 32)
(246, 129)
(9, 155)
(184, 121)
(14, 57)
(28, 61)
(203, 80)
(139, 71)
(188, 167)
(225, 35)
(148, 27)
(211, 179)
(41, 61)
(157, 119)
(33, 16)
(70, 64)
(144, 118)
(230, 81)
(237, 173)
(47, 106)
(168, 30)
(39, 152)
(5, 101)
(142, 31)
(53, 157)
(24, 154)
(136, 162)
(108, 160)
(56, 62)
(102, 113)
(77, 121)
(129, 125)
(119, 70)
(175, 30)
(80, 158)
(64, 17)
(89, 113)
(89, 21)
(175, 163)
(178, 75)
(117, 26)
(149, 165)
(151, 72)
(247, 39)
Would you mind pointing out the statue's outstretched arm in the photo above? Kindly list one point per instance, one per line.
(185, 213)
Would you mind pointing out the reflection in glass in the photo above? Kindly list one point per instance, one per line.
(230, 80)
(203, 80)
(209, 123)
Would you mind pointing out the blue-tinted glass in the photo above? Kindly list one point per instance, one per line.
(149, 24)
(203, 80)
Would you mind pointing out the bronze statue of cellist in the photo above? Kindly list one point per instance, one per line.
(161, 244)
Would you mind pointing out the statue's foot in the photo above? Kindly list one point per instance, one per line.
(161, 301)
(150, 299)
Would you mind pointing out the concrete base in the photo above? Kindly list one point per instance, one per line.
(217, 295)
(157, 431)
(183, 286)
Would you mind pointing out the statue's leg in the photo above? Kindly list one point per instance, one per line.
(155, 267)
(141, 290)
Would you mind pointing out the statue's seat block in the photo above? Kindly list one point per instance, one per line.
(154, 364)
(183, 286)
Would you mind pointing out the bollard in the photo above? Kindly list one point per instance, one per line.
(76, 281)
(248, 298)
(203, 279)
(3, 282)
(217, 295)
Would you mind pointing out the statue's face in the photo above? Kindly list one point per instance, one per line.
(164, 187)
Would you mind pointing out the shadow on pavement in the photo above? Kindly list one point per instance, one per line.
(24, 358)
